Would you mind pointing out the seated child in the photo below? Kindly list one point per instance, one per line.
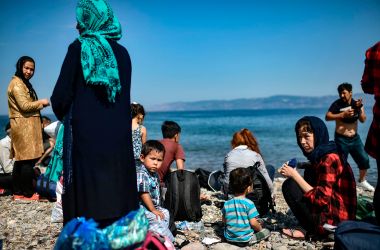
(148, 187)
(239, 213)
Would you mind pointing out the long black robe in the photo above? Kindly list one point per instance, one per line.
(102, 184)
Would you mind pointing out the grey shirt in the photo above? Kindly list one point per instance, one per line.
(243, 157)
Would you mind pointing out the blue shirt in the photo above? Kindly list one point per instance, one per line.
(148, 182)
(237, 212)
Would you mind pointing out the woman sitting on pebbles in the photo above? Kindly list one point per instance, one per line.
(245, 153)
(327, 192)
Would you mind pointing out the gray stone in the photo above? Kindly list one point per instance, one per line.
(224, 246)
(194, 246)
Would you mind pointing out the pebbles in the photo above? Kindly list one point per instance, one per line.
(26, 225)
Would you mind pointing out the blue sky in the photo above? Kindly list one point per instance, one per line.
(204, 50)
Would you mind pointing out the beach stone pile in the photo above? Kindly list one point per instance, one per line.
(27, 225)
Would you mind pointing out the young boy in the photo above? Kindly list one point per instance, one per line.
(239, 213)
(148, 187)
(171, 132)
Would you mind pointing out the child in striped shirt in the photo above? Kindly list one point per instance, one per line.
(240, 214)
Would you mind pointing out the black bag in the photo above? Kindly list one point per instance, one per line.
(46, 188)
(182, 197)
(261, 194)
(357, 235)
(203, 176)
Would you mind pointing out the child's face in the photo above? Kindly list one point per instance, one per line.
(153, 160)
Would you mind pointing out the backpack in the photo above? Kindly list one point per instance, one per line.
(357, 235)
(203, 176)
(261, 194)
(182, 197)
(154, 241)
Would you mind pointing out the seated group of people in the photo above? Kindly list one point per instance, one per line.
(325, 195)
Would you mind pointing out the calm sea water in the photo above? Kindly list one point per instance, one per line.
(206, 135)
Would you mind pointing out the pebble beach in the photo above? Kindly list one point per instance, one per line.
(27, 225)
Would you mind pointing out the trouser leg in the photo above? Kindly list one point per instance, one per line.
(16, 178)
(23, 177)
(294, 198)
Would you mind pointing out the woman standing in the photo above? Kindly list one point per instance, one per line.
(26, 128)
(245, 153)
(327, 192)
(92, 93)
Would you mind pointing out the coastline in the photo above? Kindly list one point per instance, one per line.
(27, 225)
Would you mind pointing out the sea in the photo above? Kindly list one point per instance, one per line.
(206, 135)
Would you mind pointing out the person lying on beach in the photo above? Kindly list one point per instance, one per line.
(171, 133)
(139, 133)
(327, 192)
(245, 153)
(240, 214)
(148, 187)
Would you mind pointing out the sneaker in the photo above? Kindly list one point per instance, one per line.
(259, 236)
(365, 185)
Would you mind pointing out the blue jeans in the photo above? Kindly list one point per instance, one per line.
(354, 146)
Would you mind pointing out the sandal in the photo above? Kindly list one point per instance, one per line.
(293, 231)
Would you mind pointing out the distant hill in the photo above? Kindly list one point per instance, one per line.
(272, 102)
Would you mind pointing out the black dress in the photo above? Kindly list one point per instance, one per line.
(102, 183)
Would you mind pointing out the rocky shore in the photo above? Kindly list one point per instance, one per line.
(27, 225)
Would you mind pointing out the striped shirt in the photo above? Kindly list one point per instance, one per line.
(237, 212)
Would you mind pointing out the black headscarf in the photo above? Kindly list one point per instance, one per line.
(19, 65)
(322, 145)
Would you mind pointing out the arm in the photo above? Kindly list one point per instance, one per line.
(333, 117)
(22, 100)
(320, 195)
(255, 225)
(362, 116)
(180, 164)
(145, 197)
(63, 93)
(143, 134)
(264, 172)
(47, 152)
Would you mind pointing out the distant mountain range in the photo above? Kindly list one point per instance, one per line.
(272, 102)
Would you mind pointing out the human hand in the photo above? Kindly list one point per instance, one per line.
(359, 103)
(45, 102)
(348, 113)
(159, 214)
(287, 170)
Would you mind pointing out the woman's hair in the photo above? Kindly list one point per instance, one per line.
(245, 137)
(151, 145)
(19, 65)
(240, 179)
(304, 126)
(137, 108)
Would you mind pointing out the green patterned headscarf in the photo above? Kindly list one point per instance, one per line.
(96, 23)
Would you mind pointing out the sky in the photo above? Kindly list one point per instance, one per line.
(193, 50)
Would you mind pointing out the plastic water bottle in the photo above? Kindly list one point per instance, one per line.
(198, 227)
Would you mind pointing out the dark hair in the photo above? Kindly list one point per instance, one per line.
(170, 129)
(306, 126)
(151, 145)
(344, 86)
(20, 63)
(44, 117)
(8, 126)
(136, 109)
(240, 179)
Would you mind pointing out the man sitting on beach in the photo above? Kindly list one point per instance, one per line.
(171, 132)
(346, 112)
